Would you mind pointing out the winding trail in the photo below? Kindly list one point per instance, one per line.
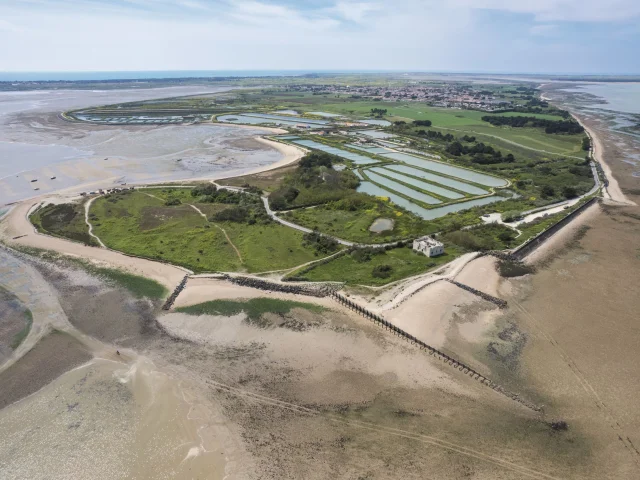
(295, 226)
(219, 228)
(86, 220)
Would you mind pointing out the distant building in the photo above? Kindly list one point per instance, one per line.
(428, 246)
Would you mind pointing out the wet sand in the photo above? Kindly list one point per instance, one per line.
(37, 144)
(52, 356)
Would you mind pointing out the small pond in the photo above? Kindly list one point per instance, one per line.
(381, 225)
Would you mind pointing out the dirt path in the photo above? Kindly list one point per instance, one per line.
(87, 206)
(219, 228)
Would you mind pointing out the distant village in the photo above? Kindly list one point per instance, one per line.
(446, 96)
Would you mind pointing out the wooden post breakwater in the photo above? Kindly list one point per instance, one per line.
(432, 351)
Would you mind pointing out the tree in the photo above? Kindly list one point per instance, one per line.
(547, 191)
(422, 123)
(569, 192)
(205, 189)
(455, 149)
(586, 144)
(277, 202)
(506, 236)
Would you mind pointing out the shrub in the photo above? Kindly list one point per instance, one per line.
(204, 189)
(363, 255)
(172, 201)
(320, 243)
(233, 214)
(569, 192)
(382, 271)
(511, 216)
(547, 191)
(506, 236)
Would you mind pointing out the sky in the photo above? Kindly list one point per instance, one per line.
(493, 36)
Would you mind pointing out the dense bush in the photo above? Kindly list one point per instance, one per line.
(320, 243)
(363, 255)
(204, 189)
(382, 271)
(172, 201)
(511, 216)
(232, 214)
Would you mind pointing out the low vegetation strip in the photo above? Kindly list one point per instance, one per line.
(254, 308)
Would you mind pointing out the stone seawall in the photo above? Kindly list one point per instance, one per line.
(521, 252)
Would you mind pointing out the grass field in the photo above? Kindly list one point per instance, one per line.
(140, 223)
(404, 262)
(253, 308)
(65, 220)
(354, 225)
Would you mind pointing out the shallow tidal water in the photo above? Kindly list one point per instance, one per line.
(107, 420)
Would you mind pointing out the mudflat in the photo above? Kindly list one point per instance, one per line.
(55, 354)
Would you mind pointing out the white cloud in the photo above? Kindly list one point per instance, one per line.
(263, 34)
(561, 10)
(355, 11)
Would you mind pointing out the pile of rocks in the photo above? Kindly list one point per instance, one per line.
(172, 298)
(311, 289)
(485, 296)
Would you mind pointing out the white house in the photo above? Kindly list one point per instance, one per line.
(428, 246)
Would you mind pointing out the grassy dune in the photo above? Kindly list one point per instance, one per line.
(140, 223)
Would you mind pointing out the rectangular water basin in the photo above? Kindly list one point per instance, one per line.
(458, 172)
(463, 187)
(417, 183)
(409, 192)
(354, 157)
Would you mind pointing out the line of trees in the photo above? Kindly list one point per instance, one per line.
(378, 112)
(481, 153)
(550, 126)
